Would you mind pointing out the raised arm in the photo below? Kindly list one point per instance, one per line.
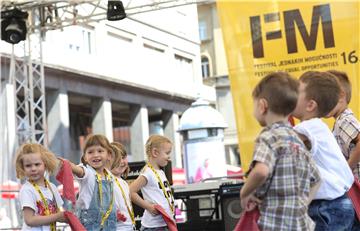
(76, 170)
(135, 187)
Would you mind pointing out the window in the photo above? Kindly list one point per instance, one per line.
(81, 40)
(205, 67)
(153, 48)
(203, 31)
(184, 67)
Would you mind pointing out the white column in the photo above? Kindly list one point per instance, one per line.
(8, 132)
(139, 133)
(171, 124)
(8, 144)
(102, 118)
(59, 123)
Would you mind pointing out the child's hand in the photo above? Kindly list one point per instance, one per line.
(249, 203)
(152, 210)
(62, 218)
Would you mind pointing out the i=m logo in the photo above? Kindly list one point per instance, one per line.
(292, 18)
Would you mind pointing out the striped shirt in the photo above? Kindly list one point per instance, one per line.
(346, 129)
(285, 193)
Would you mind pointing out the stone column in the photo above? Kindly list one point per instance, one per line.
(8, 132)
(139, 132)
(171, 124)
(102, 118)
(58, 123)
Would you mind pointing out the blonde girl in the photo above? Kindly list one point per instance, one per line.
(40, 201)
(126, 220)
(96, 205)
(154, 185)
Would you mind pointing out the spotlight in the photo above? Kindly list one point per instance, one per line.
(115, 11)
(13, 25)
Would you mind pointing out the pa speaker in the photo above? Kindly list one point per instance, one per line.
(230, 205)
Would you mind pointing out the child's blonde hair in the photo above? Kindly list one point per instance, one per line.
(154, 141)
(49, 158)
(120, 153)
(94, 140)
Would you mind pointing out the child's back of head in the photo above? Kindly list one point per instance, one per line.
(323, 88)
(280, 90)
(344, 82)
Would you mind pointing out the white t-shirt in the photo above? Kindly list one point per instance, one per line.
(121, 206)
(29, 197)
(153, 193)
(87, 184)
(336, 175)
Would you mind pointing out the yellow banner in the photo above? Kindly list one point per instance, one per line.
(261, 37)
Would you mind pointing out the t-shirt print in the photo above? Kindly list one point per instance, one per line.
(167, 191)
(41, 207)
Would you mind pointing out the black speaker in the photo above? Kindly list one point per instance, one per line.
(136, 167)
(230, 205)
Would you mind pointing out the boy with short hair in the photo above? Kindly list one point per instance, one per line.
(318, 95)
(282, 173)
(346, 128)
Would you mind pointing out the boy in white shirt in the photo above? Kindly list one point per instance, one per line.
(318, 95)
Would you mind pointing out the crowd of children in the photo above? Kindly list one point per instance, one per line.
(298, 179)
(104, 200)
(304, 171)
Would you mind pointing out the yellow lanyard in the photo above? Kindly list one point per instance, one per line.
(162, 186)
(43, 199)
(105, 216)
(129, 208)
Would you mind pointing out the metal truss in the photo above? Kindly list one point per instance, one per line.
(59, 14)
(27, 76)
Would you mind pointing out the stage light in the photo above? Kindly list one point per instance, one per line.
(115, 11)
(13, 25)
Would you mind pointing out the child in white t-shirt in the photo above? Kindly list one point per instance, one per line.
(154, 185)
(96, 205)
(318, 95)
(120, 168)
(40, 201)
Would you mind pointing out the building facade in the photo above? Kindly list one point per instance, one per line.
(124, 79)
(215, 73)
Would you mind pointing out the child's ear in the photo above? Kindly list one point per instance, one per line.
(311, 106)
(263, 105)
(342, 96)
(154, 152)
